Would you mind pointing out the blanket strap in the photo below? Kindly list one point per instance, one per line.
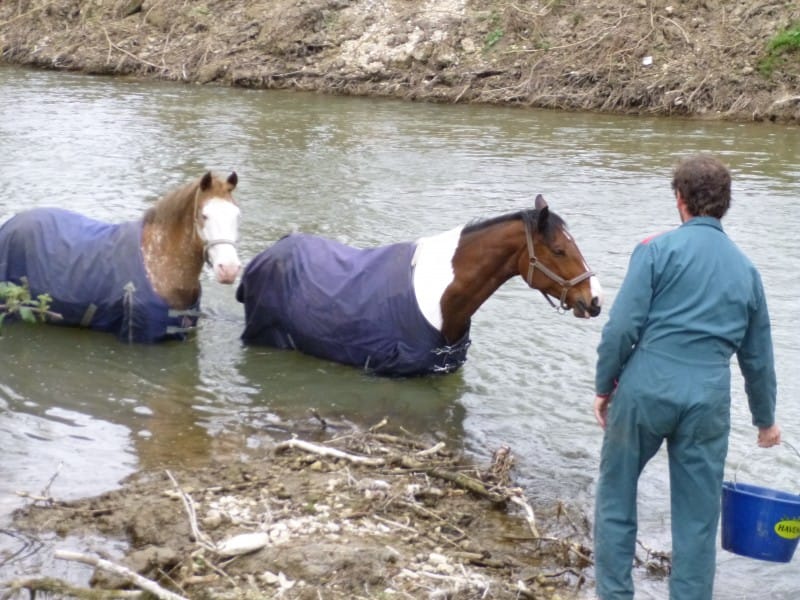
(452, 357)
(173, 313)
(127, 307)
(188, 317)
(86, 320)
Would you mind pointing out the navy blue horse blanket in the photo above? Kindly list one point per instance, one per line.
(349, 305)
(94, 271)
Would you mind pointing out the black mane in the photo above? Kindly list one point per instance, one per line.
(531, 214)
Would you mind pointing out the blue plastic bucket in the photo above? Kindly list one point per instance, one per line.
(759, 522)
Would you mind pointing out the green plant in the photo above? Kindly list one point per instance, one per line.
(495, 30)
(785, 42)
(492, 38)
(16, 300)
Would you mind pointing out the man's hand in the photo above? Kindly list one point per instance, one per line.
(601, 404)
(769, 436)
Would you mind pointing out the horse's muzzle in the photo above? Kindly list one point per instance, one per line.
(223, 259)
(227, 273)
(583, 311)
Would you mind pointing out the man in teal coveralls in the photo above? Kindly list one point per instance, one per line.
(690, 300)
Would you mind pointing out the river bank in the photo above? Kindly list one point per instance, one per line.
(339, 515)
(699, 59)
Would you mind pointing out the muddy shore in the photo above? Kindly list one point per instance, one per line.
(693, 58)
(337, 515)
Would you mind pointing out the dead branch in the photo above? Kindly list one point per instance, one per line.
(530, 518)
(61, 589)
(681, 29)
(129, 54)
(330, 452)
(141, 582)
(188, 504)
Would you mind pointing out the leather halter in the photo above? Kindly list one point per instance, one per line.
(534, 264)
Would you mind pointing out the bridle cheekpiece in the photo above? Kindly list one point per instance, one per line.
(535, 264)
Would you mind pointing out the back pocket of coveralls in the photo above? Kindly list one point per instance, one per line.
(712, 406)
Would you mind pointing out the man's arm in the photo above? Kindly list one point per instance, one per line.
(757, 363)
(625, 322)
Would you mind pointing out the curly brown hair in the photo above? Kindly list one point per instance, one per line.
(704, 183)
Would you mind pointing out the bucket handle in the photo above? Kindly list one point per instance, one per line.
(747, 454)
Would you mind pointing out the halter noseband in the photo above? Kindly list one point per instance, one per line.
(210, 244)
(534, 264)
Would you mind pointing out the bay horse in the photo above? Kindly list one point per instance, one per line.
(405, 309)
(138, 279)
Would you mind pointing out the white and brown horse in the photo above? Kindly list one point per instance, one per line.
(405, 309)
(139, 279)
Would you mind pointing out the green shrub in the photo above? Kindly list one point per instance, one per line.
(784, 43)
(16, 300)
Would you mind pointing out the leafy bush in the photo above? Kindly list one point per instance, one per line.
(16, 300)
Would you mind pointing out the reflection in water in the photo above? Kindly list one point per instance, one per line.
(369, 172)
(291, 384)
(97, 380)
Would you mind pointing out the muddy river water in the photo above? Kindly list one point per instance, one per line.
(79, 411)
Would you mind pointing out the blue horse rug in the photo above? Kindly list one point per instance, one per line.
(349, 305)
(94, 272)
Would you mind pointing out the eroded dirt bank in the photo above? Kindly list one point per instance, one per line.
(337, 515)
(701, 58)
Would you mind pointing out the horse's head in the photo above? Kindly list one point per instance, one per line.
(217, 225)
(554, 265)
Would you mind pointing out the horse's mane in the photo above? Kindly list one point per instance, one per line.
(172, 207)
(553, 222)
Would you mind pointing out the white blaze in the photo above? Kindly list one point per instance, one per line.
(597, 289)
(220, 223)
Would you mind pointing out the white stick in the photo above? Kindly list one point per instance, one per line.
(332, 452)
(136, 579)
(432, 450)
(530, 517)
(188, 504)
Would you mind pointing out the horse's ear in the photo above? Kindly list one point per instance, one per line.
(205, 182)
(543, 212)
(233, 179)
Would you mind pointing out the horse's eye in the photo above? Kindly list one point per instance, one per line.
(559, 252)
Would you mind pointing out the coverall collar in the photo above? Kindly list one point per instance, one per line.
(710, 221)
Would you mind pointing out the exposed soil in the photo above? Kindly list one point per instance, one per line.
(356, 515)
(699, 58)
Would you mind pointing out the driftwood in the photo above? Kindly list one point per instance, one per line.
(143, 583)
(407, 462)
(60, 589)
(329, 452)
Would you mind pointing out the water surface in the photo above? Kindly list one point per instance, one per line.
(79, 411)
